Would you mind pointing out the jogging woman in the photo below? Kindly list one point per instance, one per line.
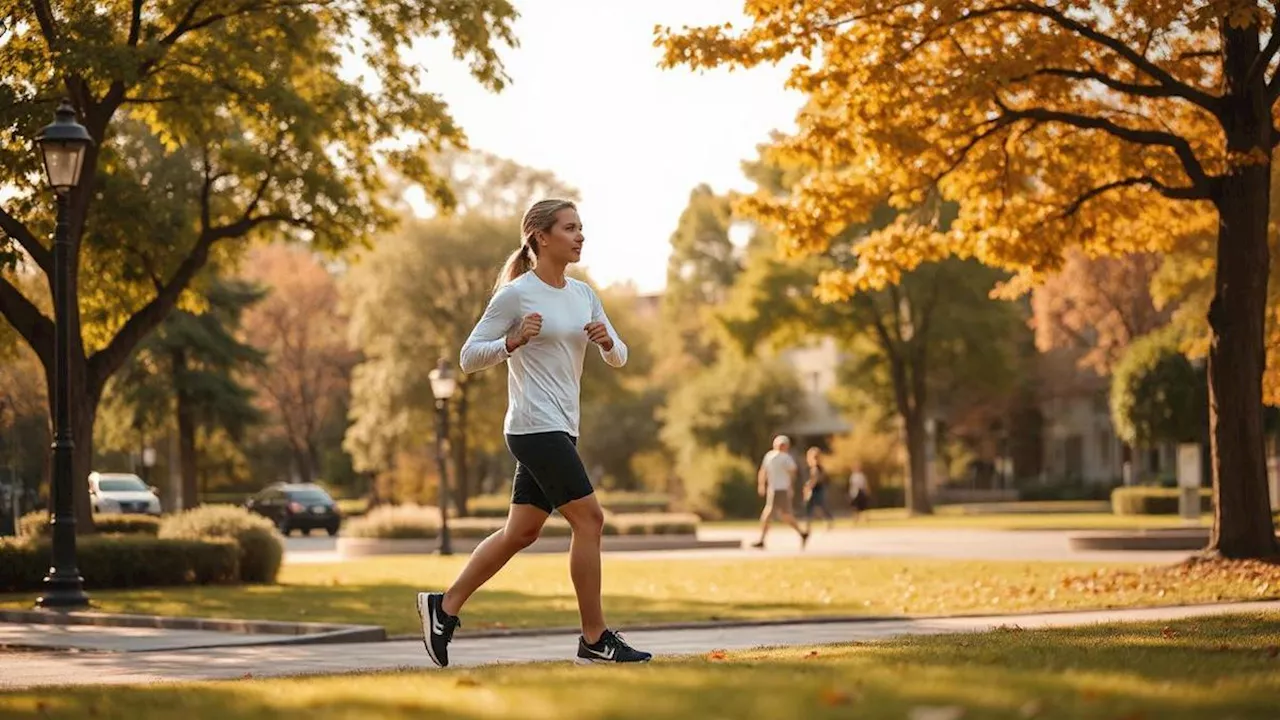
(540, 322)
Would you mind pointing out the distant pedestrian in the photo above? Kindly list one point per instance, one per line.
(815, 490)
(776, 483)
(859, 492)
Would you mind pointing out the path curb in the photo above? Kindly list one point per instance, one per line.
(302, 633)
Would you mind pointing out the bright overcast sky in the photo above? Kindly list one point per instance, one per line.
(588, 102)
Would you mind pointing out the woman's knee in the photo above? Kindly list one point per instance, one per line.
(524, 525)
(585, 517)
(521, 537)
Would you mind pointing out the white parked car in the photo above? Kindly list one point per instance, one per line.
(122, 493)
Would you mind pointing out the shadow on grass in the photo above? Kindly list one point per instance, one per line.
(1116, 671)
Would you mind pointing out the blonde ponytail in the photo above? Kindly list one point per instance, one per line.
(518, 264)
(540, 217)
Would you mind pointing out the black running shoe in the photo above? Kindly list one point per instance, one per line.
(437, 627)
(611, 648)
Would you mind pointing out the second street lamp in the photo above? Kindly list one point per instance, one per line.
(443, 384)
(63, 145)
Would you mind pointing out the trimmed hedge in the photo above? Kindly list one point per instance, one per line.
(619, 503)
(36, 524)
(396, 522)
(123, 561)
(1153, 500)
(261, 547)
(404, 522)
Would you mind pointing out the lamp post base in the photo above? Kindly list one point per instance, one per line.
(63, 593)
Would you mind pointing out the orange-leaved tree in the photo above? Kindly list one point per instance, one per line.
(1112, 127)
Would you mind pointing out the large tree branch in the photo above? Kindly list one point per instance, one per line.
(14, 228)
(108, 360)
(27, 319)
(1176, 87)
(1264, 58)
(1128, 88)
(1174, 193)
(1190, 163)
(135, 22)
(44, 17)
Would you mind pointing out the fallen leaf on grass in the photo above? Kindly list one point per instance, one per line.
(832, 697)
(935, 712)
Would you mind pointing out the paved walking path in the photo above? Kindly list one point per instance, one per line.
(956, 543)
(22, 670)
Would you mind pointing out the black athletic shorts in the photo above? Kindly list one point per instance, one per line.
(549, 472)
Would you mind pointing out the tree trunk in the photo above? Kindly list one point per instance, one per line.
(84, 410)
(917, 485)
(1242, 526)
(83, 402)
(302, 458)
(186, 433)
(461, 467)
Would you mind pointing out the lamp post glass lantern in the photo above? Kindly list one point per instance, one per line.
(443, 384)
(63, 145)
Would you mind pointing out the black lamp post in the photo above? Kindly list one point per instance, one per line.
(443, 383)
(63, 145)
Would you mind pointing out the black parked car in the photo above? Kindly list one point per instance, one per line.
(297, 506)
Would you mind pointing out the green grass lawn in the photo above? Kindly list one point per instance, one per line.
(1224, 667)
(948, 517)
(535, 590)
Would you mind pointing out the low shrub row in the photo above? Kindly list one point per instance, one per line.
(403, 522)
(36, 524)
(260, 544)
(137, 551)
(1153, 500)
(618, 503)
(123, 561)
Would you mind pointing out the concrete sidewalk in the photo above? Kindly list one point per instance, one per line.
(27, 669)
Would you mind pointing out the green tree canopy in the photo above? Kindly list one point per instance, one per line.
(1157, 394)
(213, 122)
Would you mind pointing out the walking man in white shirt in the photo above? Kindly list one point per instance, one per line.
(776, 481)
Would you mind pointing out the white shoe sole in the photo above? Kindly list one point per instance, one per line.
(424, 617)
(602, 661)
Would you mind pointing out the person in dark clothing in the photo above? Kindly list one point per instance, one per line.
(815, 490)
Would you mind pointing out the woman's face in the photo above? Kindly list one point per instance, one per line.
(562, 243)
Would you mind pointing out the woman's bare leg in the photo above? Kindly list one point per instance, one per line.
(586, 518)
(524, 522)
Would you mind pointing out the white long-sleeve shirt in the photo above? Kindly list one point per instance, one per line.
(544, 378)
